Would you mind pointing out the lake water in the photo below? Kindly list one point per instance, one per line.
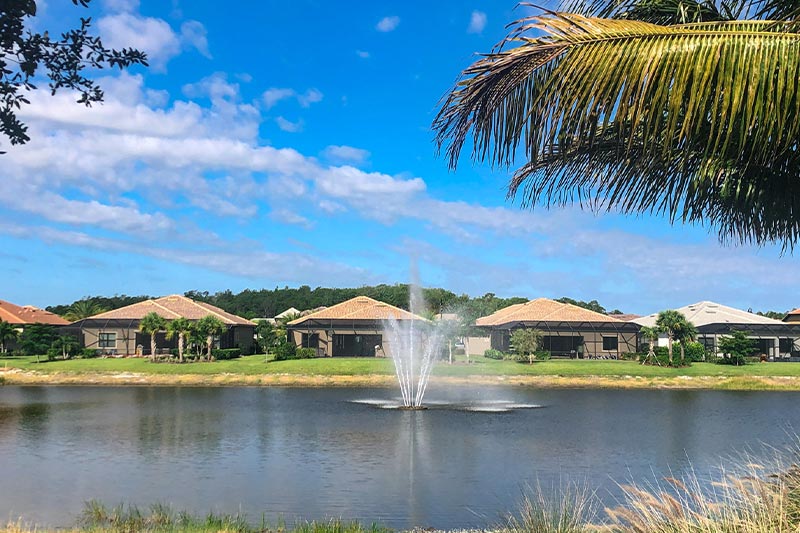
(317, 453)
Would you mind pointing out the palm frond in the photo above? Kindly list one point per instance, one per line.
(697, 121)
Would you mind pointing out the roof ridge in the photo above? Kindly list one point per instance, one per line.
(155, 302)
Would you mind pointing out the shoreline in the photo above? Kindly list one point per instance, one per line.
(622, 382)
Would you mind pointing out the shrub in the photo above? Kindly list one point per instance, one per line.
(632, 356)
(227, 353)
(88, 353)
(305, 353)
(491, 353)
(541, 355)
(53, 353)
(285, 350)
(250, 349)
(694, 351)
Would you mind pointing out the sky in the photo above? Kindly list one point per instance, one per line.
(275, 143)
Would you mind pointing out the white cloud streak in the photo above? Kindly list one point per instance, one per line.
(387, 24)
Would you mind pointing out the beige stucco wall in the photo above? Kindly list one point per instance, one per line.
(477, 345)
(126, 340)
(325, 348)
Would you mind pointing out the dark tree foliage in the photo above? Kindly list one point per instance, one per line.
(267, 303)
(777, 315)
(36, 339)
(64, 58)
(102, 302)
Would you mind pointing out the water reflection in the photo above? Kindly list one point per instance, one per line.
(313, 453)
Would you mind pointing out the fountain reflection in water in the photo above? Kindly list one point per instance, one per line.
(413, 346)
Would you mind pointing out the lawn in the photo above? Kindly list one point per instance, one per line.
(478, 366)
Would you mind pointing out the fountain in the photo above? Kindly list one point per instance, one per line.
(413, 347)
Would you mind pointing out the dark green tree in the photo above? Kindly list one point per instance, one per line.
(36, 339)
(266, 337)
(65, 59)
(8, 333)
(525, 342)
(735, 347)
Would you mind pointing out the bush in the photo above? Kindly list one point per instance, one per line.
(491, 353)
(736, 360)
(53, 354)
(88, 353)
(693, 351)
(541, 355)
(227, 353)
(248, 350)
(285, 350)
(305, 353)
(632, 356)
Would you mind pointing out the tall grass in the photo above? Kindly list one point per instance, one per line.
(569, 508)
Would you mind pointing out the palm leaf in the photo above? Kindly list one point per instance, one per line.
(697, 121)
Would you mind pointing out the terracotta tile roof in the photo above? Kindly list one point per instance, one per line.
(543, 310)
(795, 312)
(359, 308)
(171, 307)
(625, 317)
(28, 314)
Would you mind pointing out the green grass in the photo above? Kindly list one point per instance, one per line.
(256, 365)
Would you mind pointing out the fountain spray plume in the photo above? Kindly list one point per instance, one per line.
(413, 347)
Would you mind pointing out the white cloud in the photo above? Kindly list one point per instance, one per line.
(477, 22)
(363, 54)
(311, 96)
(151, 35)
(274, 95)
(288, 125)
(195, 35)
(345, 154)
(387, 24)
(121, 5)
(286, 216)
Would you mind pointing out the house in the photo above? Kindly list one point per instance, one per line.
(117, 332)
(775, 339)
(354, 328)
(567, 330)
(792, 317)
(27, 315)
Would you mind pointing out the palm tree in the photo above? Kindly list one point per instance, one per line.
(651, 336)
(670, 322)
(83, 309)
(210, 326)
(151, 324)
(686, 332)
(181, 327)
(7, 333)
(686, 109)
(65, 343)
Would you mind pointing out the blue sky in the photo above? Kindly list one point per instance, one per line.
(276, 143)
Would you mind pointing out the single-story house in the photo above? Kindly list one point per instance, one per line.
(567, 330)
(354, 328)
(26, 315)
(117, 332)
(775, 339)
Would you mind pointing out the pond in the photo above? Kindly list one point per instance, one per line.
(318, 453)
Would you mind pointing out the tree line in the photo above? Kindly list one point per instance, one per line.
(266, 303)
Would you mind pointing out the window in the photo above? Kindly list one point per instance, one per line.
(786, 345)
(107, 340)
(610, 343)
(309, 340)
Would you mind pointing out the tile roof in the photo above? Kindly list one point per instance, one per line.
(543, 310)
(625, 317)
(28, 314)
(171, 307)
(705, 313)
(359, 308)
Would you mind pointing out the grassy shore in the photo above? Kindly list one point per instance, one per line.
(256, 371)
